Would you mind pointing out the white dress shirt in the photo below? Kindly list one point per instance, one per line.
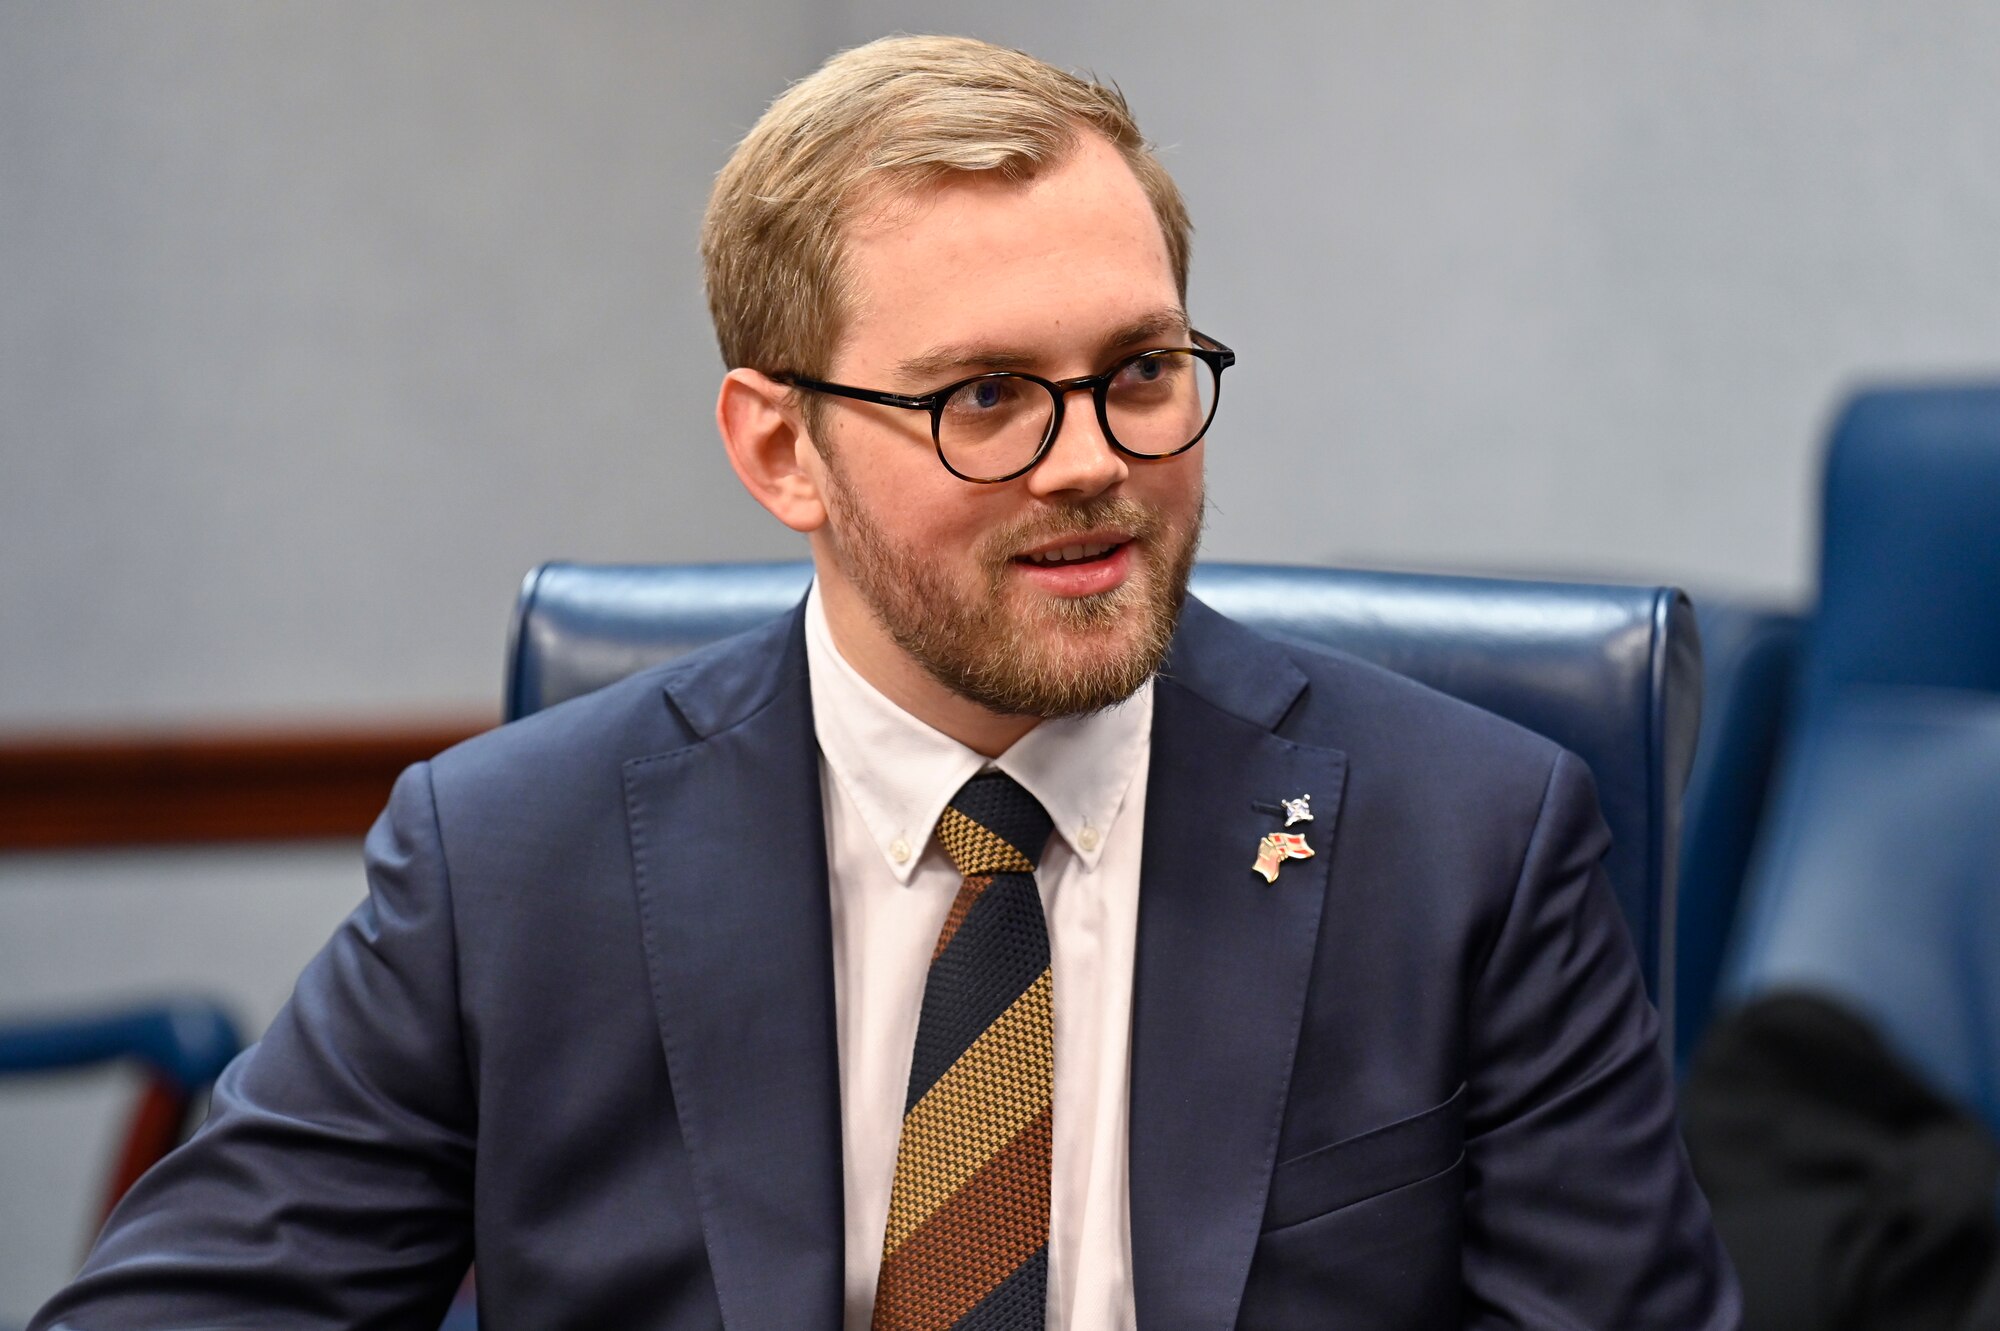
(885, 778)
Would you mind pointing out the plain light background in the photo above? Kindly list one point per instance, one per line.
(323, 323)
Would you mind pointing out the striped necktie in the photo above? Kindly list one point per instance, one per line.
(968, 1238)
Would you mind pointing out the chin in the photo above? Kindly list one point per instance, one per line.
(1065, 657)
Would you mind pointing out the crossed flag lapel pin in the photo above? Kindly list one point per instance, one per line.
(1277, 847)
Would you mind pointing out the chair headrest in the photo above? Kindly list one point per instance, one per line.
(1910, 543)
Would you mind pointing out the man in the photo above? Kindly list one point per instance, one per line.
(902, 964)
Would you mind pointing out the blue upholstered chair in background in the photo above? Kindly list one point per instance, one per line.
(1612, 673)
(182, 1047)
(1876, 879)
(1749, 663)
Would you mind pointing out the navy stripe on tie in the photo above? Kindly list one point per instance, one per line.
(992, 959)
(1020, 1301)
(999, 804)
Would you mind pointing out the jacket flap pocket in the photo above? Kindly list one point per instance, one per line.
(1374, 1162)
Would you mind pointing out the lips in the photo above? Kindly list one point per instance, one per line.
(1088, 550)
(1079, 568)
(1082, 552)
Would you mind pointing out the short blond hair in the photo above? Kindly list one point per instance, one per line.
(884, 119)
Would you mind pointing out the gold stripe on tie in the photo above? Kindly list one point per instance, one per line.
(974, 1110)
(975, 850)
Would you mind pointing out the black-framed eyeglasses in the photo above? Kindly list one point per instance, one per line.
(994, 427)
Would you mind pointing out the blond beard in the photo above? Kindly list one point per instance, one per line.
(1075, 660)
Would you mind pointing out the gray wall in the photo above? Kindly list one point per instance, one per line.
(323, 323)
(1564, 287)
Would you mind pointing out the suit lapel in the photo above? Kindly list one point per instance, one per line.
(1223, 964)
(728, 845)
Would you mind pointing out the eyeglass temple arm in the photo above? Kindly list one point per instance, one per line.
(1224, 356)
(924, 403)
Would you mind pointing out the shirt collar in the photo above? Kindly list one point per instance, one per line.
(901, 773)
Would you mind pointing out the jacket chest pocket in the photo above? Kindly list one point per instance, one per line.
(1384, 1159)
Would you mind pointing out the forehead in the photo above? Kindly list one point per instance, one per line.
(1035, 265)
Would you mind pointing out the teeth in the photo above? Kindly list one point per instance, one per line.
(1070, 554)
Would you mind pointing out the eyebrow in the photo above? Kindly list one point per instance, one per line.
(972, 358)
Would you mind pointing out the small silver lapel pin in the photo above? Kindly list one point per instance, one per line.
(1298, 810)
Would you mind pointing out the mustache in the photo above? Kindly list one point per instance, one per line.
(1124, 514)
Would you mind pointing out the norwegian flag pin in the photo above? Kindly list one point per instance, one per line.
(1275, 849)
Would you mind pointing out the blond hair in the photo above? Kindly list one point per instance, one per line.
(883, 119)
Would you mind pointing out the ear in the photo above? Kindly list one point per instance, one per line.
(769, 448)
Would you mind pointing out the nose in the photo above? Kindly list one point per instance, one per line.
(1080, 462)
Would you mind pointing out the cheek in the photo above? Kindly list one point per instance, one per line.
(885, 478)
(930, 516)
(1174, 485)
(959, 532)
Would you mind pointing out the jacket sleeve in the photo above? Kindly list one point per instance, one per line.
(1581, 1210)
(331, 1183)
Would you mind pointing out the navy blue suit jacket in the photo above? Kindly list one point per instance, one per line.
(582, 1028)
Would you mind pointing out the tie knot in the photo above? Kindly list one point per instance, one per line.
(993, 825)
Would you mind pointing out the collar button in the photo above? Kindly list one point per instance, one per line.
(899, 851)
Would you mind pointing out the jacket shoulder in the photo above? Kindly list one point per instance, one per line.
(1360, 705)
(1334, 699)
(576, 749)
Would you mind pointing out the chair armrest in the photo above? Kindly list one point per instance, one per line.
(186, 1041)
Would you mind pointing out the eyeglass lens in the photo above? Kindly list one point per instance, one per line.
(1156, 404)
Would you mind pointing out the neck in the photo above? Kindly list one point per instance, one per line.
(864, 644)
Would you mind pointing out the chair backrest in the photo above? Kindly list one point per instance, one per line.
(1899, 691)
(1610, 672)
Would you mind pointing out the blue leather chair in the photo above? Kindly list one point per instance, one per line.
(1877, 876)
(1749, 664)
(1610, 672)
(181, 1045)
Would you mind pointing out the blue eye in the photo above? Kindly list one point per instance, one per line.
(1001, 394)
(1148, 371)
